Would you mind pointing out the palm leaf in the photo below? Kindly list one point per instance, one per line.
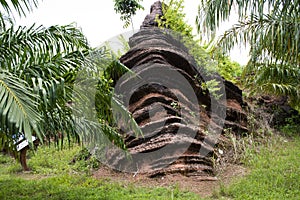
(18, 107)
(125, 117)
(272, 30)
(273, 79)
(47, 59)
(270, 27)
(270, 38)
(21, 6)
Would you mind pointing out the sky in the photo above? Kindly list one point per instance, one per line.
(98, 20)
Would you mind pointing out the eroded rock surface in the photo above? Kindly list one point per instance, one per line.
(155, 11)
(181, 121)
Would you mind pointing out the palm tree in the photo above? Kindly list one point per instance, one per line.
(272, 30)
(38, 66)
(38, 70)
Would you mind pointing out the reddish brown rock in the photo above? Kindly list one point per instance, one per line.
(180, 120)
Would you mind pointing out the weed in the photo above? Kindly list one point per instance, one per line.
(175, 105)
(84, 161)
(213, 86)
(291, 127)
(275, 172)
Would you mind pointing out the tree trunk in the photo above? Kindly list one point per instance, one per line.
(23, 159)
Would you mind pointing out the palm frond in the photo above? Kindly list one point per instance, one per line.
(271, 28)
(212, 13)
(125, 118)
(18, 107)
(39, 42)
(273, 79)
(5, 21)
(94, 92)
(47, 59)
(270, 38)
(21, 6)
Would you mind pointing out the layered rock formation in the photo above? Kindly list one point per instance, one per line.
(180, 119)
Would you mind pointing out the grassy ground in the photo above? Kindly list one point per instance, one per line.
(53, 177)
(274, 174)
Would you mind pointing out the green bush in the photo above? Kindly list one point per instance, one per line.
(291, 127)
(84, 161)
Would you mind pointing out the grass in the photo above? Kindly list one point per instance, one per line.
(275, 172)
(53, 177)
(81, 187)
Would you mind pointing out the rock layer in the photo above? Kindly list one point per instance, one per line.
(180, 119)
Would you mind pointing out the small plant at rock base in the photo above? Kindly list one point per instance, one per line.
(175, 105)
(291, 127)
(84, 161)
(213, 87)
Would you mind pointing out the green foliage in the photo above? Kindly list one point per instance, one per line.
(8, 165)
(50, 160)
(271, 28)
(4, 159)
(174, 18)
(21, 6)
(212, 60)
(292, 127)
(18, 108)
(127, 8)
(40, 68)
(204, 61)
(230, 70)
(36, 80)
(175, 105)
(213, 87)
(84, 161)
(100, 86)
(80, 187)
(274, 79)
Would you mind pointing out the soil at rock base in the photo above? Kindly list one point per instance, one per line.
(203, 187)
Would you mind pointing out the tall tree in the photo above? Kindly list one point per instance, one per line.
(272, 30)
(127, 9)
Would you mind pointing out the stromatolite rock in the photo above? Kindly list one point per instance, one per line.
(155, 12)
(167, 99)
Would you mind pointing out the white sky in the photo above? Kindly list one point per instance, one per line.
(98, 20)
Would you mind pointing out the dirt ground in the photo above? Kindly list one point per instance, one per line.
(202, 186)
